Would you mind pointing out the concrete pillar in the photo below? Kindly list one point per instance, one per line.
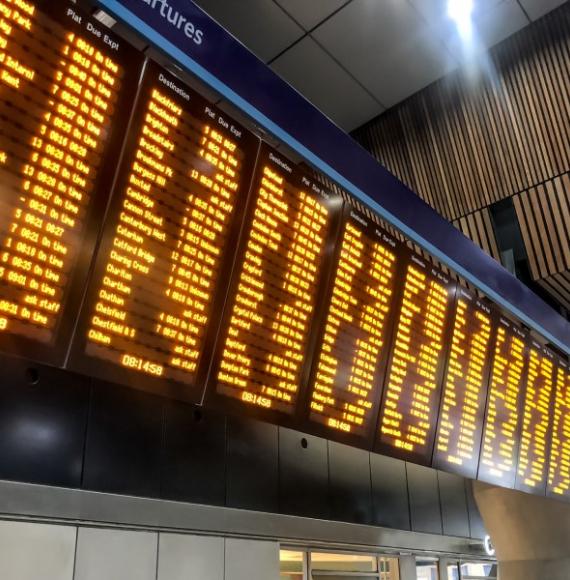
(531, 534)
(443, 564)
(408, 568)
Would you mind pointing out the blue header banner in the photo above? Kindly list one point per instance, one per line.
(192, 39)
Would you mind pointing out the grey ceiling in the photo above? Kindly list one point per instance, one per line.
(355, 58)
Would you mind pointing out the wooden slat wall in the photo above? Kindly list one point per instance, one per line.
(463, 145)
(479, 228)
(558, 286)
(543, 213)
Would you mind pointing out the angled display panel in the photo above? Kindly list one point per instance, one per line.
(498, 458)
(408, 416)
(167, 242)
(464, 395)
(536, 425)
(66, 89)
(559, 464)
(278, 279)
(349, 362)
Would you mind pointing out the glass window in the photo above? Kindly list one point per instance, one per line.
(303, 565)
(476, 570)
(453, 572)
(321, 561)
(291, 565)
(389, 569)
(426, 570)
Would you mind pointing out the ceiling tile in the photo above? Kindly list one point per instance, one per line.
(259, 24)
(387, 46)
(435, 11)
(499, 23)
(537, 8)
(493, 21)
(309, 13)
(309, 69)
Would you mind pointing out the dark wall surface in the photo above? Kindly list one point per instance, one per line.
(58, 428)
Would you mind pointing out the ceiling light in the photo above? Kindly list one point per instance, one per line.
(461, 11)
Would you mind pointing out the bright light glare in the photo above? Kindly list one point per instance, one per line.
(460, 11)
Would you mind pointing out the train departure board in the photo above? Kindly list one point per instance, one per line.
(277, 282)
(458, 439)
(149, 239)
(346, 380)
(559, 464)
(184, 179)
(532, 470)
(408, 417)
(498, 458)
(64, 85)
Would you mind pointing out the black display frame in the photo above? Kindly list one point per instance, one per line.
(543, 351)
(438, 462)
(435, 272)
(75, 20)
(563, 364)
(371, 230)
(226, 404)
(525, 336)
(79, 360)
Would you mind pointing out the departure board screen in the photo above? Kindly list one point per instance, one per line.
(183, 181)
(148, 238)
(461, 415)
(408, 416)
(498, 458)
(559, 465)
(346, 380)
(277, 282)
(532, 470)
(63, 102)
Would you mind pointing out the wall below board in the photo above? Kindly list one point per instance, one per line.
(62, 429)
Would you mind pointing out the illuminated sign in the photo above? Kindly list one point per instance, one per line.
(346, 380)
(184, 254)
(411, 395)
(559, 466)
(489, 547)
(506, 391)
(278, 277)
(61, 103)
(536, 420)
(185, 171)
(175, 19)
(465, 387)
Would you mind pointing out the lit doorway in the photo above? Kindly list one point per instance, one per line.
(316, 565)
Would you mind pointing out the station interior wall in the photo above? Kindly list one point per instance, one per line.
(65, 430)
(29, 551)
(62, 429)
